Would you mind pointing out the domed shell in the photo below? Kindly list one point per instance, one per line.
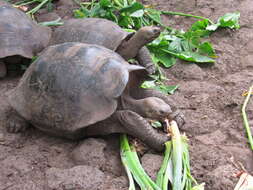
(90, 30)
(19, 35)
(71, 86)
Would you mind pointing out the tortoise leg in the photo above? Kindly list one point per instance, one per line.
(3, 70)
(137, 126)
(14, 122)
(145, 60)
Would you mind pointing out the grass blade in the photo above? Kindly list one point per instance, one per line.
(245, 118)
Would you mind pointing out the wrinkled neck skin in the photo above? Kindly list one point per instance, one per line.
(130, 48)
(129, 103)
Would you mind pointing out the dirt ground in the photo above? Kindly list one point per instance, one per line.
(209, 96)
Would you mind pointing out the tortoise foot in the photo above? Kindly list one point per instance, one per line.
(3, 70)
(16, 124)
(137, 126)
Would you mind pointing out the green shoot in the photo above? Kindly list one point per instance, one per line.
(56, 22)
(131, 162)
(245, 119)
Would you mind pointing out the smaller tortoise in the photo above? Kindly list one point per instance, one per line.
(20, 37)
(108, 34)
(75, 90)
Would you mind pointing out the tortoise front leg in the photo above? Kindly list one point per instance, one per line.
(14, 122)
(138, 127)
(3, 70)
(145, 60)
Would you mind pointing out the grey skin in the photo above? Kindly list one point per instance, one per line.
(108, 34)
(75, 90)
(20, 39)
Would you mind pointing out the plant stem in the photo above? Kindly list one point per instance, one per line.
(35, 9)
(245, 119)
(187, 15)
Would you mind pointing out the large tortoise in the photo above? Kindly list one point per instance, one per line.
(108, 34)
(20, 37)
(75, 90)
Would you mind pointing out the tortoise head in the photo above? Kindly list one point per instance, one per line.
(155, 108)
(149, 33)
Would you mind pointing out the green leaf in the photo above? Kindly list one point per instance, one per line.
(167, 89)
(154, 14)
(230, 20)
(200, 25)
(156, 124)
(132, 8)
(105, 3)
(148, 84)
(80, 13)
(138, 13)
(165, 59)
(207, 48)
(192, 56)
(176, 45)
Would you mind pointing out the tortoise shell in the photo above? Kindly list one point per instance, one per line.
(92, 31)
(19, 35)
(71, 86)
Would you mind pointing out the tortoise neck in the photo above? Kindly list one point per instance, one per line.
(130, 48)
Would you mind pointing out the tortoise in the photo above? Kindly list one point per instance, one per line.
(108, 34)
(20, 37)
(75, 90)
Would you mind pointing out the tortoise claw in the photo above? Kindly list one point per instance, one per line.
(16, 124)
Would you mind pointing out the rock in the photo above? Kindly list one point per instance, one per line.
(20, 164)
(90, 152)
(151, 164)
(78, 177)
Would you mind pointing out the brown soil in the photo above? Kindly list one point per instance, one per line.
(210, 97)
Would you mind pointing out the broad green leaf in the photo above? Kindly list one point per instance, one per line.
(138, 13)
(192, 56)
(230, 20)
(148, 84)
(199, 25)
(154, 14)
(132, 8)
(207, 48)
(105, 3)
(167, 89)
(166, 59)
(176, 45)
